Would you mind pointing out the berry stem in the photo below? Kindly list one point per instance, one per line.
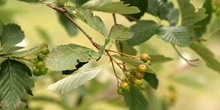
(122, 54)
(114, 70)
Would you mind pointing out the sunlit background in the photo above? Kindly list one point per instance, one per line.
(197, 88)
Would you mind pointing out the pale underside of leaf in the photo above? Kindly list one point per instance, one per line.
(95, 3)
(29, 52)
(214, 26)
(116, 7)
(70, 83)
(87, 16)
(66, 57)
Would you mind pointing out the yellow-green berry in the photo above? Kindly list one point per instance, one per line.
(138, 82)
(120, 91)
(142, 68)
(45, 51)
(40, 64)
(139, 75)
(144, 57)
(125, 86)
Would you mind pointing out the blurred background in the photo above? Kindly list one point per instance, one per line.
(182, 86)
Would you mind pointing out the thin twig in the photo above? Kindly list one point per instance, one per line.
(114, 70)
(120, 43)
(114, 19)
(84, 32)
(130, 17)
(188, 61)
(122, 54)
(64, 12)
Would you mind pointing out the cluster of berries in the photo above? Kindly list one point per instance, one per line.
(40, 68)
(136, 76)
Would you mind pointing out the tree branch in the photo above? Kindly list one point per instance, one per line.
(64, 12)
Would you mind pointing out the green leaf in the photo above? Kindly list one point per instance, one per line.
(168, 12)
(70, 83)
(190, 80)
(113, 7)
(11, 31)
(201, 26)
(153, 7)
(140, 4)
(123, 46)
(173, 16)
(69, 27)
(206, 55)
(120, 32)
(214, 26)
(131, 61)
(14, 50)
(66, 57)
(14, 83)
(159, 59)
(95, 3)
(79, 2)
(143, 31)
(151, 78)
(1, 27)
(189, 14)
(79, 65)
(87, 16)
(102, 47)
(50, 1)
(180, 36)
(135, 100)
(29, 52)
(164, 10)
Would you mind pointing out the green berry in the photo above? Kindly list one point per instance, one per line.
(138, 82)
(43, 71)
(144, 57)
(149, 62)
(142, 68)
(41, 57)
(36, 60)
(120, 91)
(36, 72)
(139, 75)
(44, 45)
(125, 86)
(40, 65)
(45, 51)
